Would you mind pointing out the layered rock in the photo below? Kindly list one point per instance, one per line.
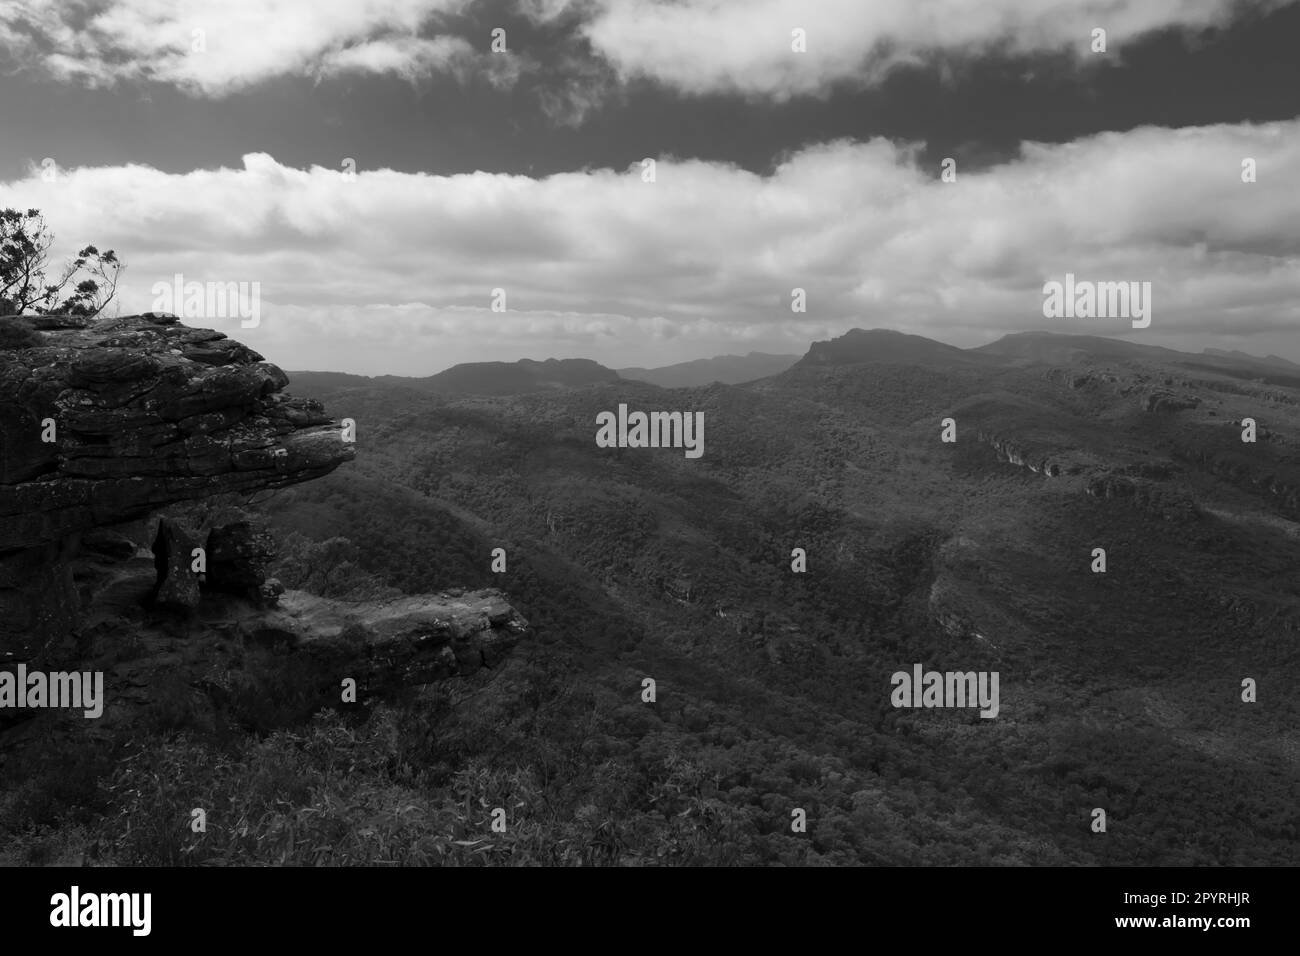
(388, 644)
(1014, 453)
(1163, 401)
(1171, 504)
(106, 422)
(229, 648)
(127, 446)
(236, 554)
(173, 549)
(1275, 476)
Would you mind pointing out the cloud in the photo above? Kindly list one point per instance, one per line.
(574, 87)
(405, 56)
(745, 46)
(693, 46)
(395, 271)
(215, 47)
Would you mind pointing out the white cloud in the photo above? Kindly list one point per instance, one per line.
(696, 46)
(395, 271)
(406, 56)
(707, 46)
(242, 42)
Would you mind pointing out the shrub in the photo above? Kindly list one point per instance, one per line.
(17, 334)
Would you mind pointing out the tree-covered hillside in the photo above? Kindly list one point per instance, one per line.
(1120, 690)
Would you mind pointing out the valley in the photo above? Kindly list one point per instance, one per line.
(970, 556)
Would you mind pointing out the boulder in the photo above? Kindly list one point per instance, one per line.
(173, 550)
(410, 640)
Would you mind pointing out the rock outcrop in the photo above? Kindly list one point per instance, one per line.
(126, 446)
(178, 584)
(298, 652)
(1014, 453)
(405, 641)
(1167, 402)
(106, 422)
(1169, 503)
(1275, 477)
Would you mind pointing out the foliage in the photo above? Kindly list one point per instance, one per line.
(25, 242)
(772, 687)
(16, 334)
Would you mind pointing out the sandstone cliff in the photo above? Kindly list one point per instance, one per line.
(118, 440)
(107, 422)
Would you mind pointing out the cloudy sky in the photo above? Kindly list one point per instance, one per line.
(797, 144)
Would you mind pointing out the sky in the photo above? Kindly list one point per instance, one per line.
(409, 184)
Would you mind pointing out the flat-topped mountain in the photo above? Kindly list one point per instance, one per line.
(480, 378)
(513, 378)
(1061, 349)
(887, 347)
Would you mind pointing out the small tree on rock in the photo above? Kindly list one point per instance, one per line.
(25, 242)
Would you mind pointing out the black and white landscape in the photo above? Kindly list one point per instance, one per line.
(632, 432)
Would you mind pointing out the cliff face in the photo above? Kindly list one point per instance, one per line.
(107, 422)
(1015, 453)
(114, 439)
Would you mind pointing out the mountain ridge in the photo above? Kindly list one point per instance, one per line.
(976, 554)
(855, 346)
(728, 369)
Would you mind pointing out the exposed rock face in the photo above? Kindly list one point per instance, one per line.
(955, 603)
(1170, 504)
(1014, 453)
(1168, 402)
(145, 412)
(236, 553)
(173, 548)
(1074, 378)
(1275, 478)
(107, 422)
(382, 645)
(119, 440)
(1114, 486)
(410, 640)
(229, 640)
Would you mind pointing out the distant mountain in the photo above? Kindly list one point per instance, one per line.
(1057, 349)
(474, 378)
(888, 347)
(1276, 360)
(1119, 688)
(338, 380)
(855, 347)
(516, 378)
(727, 369)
